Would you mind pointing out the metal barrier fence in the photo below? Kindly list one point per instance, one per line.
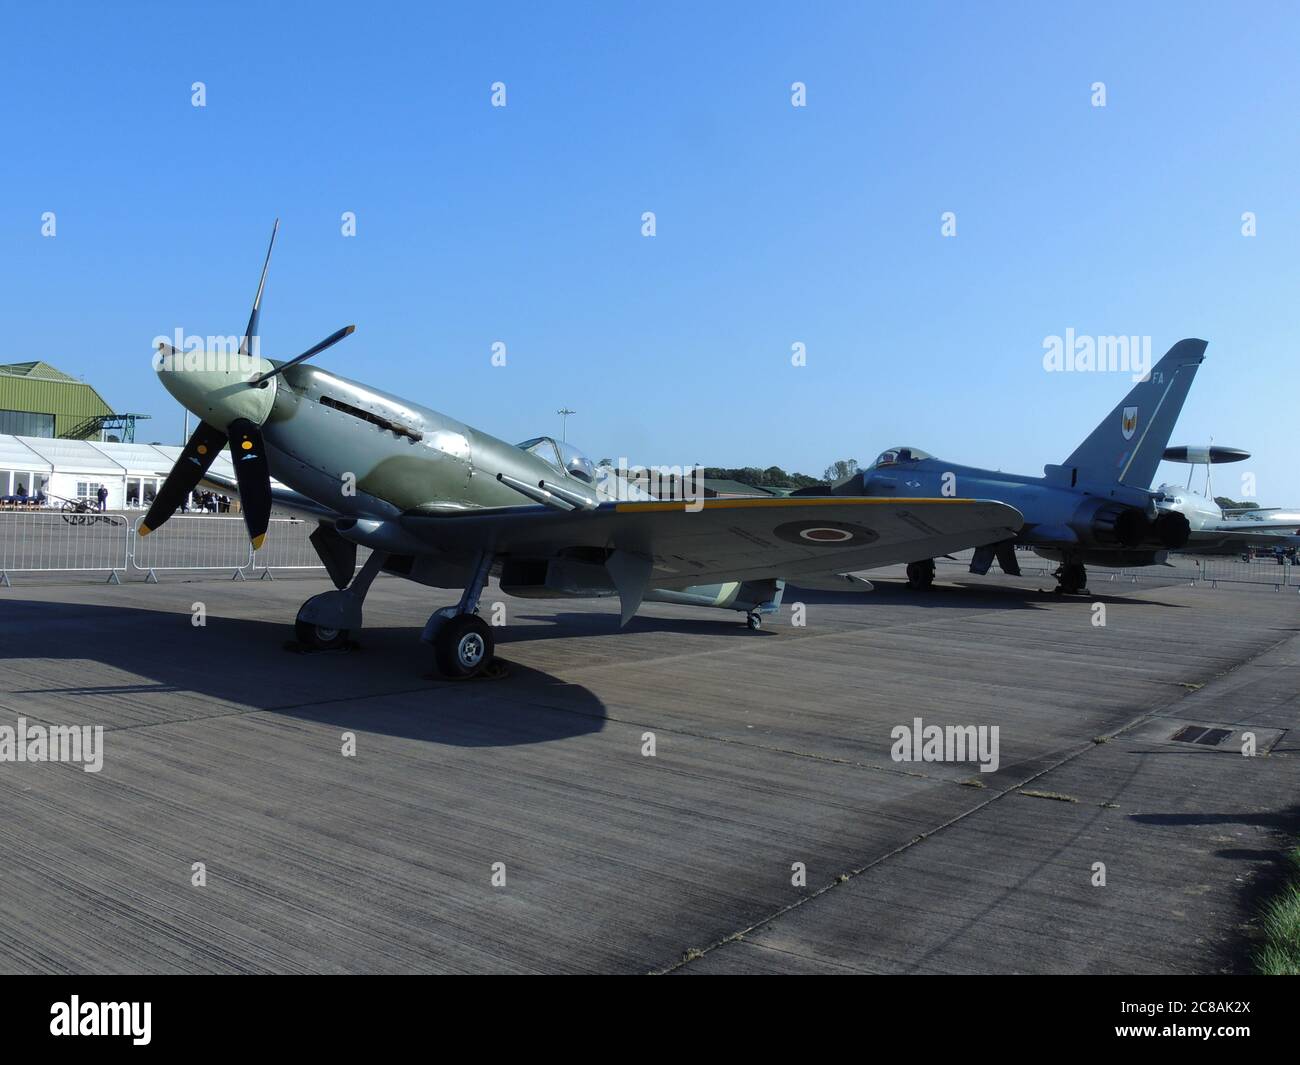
(47, 541)
(51, 541)
(1260, 571)
(217, 541)
(288, 547)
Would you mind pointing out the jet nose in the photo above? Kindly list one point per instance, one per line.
(216, 386)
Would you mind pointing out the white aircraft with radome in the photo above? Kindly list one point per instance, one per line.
(1215, 531)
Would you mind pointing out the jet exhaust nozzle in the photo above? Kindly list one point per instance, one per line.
(1125, 526)
(1172, 529)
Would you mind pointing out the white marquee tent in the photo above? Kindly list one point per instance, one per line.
(75, 469)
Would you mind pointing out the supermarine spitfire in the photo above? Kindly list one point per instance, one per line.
(446, 505)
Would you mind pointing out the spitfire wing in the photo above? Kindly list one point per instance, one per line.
(731, 539)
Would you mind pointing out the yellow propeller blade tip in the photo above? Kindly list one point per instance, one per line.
(257, 542)
(144, 530)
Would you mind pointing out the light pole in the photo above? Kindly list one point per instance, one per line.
(564, 413)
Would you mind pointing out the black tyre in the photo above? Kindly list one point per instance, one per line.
(1073, 578)
(319, 638)
(463, 646)
(920, 575)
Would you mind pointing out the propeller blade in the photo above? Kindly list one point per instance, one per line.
(254, 477)
(195, 459)
(254, 319)
(328, 342)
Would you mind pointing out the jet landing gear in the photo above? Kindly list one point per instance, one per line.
(462, 641)
(920, 575)
(1071, 578)
(326, 621)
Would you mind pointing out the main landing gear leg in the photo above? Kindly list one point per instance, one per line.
(920, 574)
(1071, 578)
(462, 641)
(327, 621)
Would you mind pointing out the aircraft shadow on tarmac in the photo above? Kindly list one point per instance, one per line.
(1286, 821)
(377, 687)
(1272, 868)
(966, 596)
(580, 624)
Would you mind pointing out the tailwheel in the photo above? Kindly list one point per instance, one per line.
(320, 638)
(920, 575)
(463, 646)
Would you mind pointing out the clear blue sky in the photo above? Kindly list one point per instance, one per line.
(775, 224)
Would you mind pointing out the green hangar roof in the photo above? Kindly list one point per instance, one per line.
(37, 399)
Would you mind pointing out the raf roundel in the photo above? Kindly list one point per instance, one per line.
(825, 533)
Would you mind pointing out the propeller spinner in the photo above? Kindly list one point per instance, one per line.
(234, 391)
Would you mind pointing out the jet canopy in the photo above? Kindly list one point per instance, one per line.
(898, 455)
(562, 456)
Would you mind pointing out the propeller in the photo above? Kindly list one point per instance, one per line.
(220, 393)
(328, 342)
(255, 318)
(198, 454)
(254, 477)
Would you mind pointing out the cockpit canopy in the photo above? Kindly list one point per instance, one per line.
(898, 455)
(562, 456)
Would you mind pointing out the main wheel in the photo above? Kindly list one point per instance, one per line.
(1073, 578)
(318, 637)
(463, 646)
(920, 575)
(754, 621)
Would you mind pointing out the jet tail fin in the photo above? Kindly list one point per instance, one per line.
(1127, 446)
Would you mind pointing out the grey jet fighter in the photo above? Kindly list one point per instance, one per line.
(446, 505)
(1095, 507)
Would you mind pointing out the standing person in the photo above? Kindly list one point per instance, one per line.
(102, 496)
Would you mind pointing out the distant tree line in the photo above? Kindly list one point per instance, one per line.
(773, 476)
(1227, 504)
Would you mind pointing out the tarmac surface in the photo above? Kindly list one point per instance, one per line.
(223, 747)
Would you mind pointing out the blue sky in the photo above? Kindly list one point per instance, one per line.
(775, 224)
